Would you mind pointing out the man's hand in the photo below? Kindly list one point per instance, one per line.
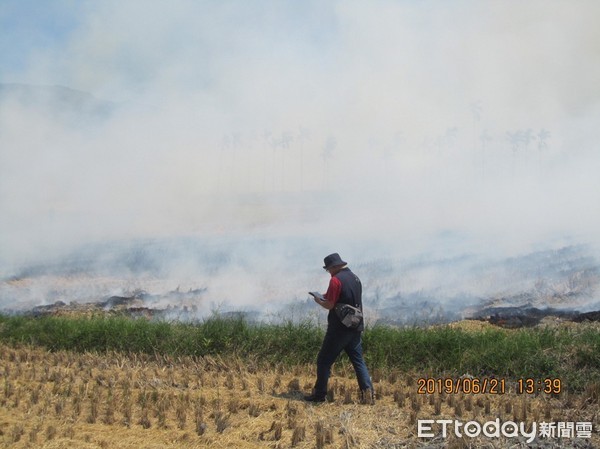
(317, 295)
(320, 299)
(327, 304)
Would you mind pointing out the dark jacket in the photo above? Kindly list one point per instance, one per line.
(351, 293)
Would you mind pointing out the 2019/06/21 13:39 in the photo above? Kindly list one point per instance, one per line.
(487, 385)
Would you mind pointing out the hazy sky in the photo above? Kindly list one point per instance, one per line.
(388, 120)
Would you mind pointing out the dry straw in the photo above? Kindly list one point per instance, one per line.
(61, 399)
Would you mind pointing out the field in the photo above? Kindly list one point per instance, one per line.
(56, 393)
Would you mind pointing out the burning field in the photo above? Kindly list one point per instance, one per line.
(190, 279)
(132, 347)
(173, 173)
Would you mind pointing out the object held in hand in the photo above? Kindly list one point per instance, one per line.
(317, 295)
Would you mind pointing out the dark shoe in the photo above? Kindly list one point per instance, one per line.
(314, 398)
(367, 397)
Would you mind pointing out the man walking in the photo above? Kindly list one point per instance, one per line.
(344, 288)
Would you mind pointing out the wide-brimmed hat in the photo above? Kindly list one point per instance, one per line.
(333, 260)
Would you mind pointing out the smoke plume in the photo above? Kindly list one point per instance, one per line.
(230, 146)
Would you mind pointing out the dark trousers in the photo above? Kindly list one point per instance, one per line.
(333, 344)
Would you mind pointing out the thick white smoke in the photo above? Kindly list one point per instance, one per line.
(374, 129)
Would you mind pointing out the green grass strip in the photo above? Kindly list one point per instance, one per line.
(573, 355)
